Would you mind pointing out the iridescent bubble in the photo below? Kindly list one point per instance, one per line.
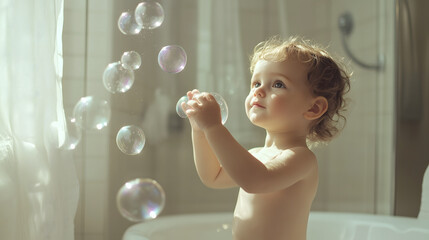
(131, 60)
(74, 135)
(223, 107)
(172, 59)
(180, 111)
(149, 15)
(219, 99)
(71, 135)
(92, 113)
(117, 78)
(130, 140)
(140, 199)
(127, 24)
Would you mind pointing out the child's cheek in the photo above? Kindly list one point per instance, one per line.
(247, 103)
(278, 103)
(282, 107)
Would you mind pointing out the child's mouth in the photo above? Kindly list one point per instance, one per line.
(257, 105)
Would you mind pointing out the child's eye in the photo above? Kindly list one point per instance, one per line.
(256, 84)
(279, 84)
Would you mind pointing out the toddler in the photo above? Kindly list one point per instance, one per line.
(297, 95)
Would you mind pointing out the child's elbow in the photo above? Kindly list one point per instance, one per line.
(208, 184)
(213, 184)
(253, 187)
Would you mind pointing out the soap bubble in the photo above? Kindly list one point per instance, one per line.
(130, 140)
(149, 15)
(172, 59)
(127, 24)
(222, 104)
(91, 113)
(180, 111)
(219, 99)
(117, 78)
(131, 60)
(140, 199)
(74, 134)
(71, 135)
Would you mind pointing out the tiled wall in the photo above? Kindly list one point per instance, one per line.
(87, 44)
(355, 168)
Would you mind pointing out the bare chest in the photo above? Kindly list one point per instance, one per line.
(250, 205)
(258, 216)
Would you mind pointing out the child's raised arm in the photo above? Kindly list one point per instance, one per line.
(208, 167)
(253, 176)
(248, 172)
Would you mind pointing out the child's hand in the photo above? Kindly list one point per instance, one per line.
(203, 111)
(185, 107)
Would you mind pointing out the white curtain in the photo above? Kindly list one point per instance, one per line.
(221, 63)
(38, 182)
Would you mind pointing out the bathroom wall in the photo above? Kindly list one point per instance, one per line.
(355, 168)
(86, 50)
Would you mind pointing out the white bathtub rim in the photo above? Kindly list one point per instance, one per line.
(151, 226)
(400, 223)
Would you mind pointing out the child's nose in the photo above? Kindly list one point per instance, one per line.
(259, 92)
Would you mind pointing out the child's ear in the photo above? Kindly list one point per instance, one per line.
(319, 107)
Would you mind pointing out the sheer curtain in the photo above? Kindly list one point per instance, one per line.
(221, 61)
(38, 182)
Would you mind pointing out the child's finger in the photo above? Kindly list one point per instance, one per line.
(190, 112)
(200, 97)
(185, 106)
(194, 93)
(210, 97)
(189, 95)
(192, 103)
(204, 97)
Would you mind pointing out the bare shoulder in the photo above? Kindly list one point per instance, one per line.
(300, 152)
(299, 156)
(283, 168)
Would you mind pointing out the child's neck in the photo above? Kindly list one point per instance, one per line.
(285, 140)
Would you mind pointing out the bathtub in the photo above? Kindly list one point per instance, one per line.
(321, 226)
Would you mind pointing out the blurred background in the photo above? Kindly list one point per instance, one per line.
(357, 169)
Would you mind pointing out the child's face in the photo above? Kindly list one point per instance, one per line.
(279, 95)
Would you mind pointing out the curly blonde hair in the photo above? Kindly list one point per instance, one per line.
(326, 77)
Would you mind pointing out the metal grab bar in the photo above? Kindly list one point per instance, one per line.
(345, 24)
